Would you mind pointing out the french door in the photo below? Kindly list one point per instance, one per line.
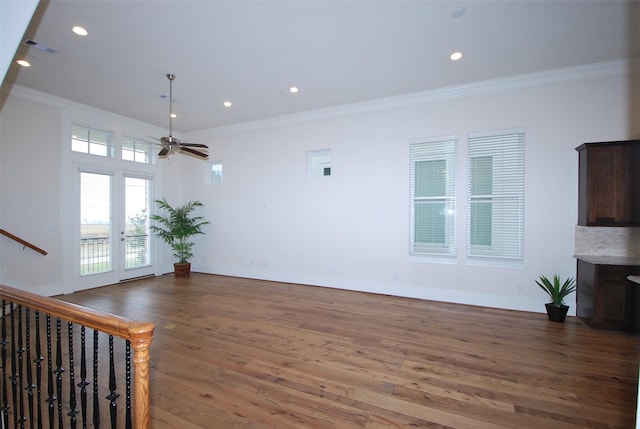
(114, 235)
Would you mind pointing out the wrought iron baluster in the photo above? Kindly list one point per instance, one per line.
(73, 412)
(113, 395)
(14, 367)
(38, 361)
(128, 384)
(59, 370)
(20, 354)
(83, 376)
(3, 362)
(21, 381)
(20, 374)
(51, 398)
(96, 405)
(30, 386)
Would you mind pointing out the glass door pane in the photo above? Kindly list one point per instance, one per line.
(136, 232)
(95, 223)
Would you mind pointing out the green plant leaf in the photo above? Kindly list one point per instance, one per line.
(176, 226)
(557, 289)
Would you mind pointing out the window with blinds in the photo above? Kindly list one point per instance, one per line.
(495, 224)
(433, 197)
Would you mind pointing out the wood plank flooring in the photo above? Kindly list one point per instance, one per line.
(241, 353)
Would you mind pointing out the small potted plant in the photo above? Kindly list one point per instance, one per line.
(557, 291)
(176, 226)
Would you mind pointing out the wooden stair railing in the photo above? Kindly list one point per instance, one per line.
(22, 388)
(23, 242)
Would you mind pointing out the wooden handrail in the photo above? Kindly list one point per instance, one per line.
(21, 241)
(140, 335)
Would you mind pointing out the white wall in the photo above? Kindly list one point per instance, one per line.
(349, 230)
(36, 185)
(30, 198)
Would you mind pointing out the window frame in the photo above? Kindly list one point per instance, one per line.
(319, 163)
(214, 175)
(506, 197)
(108, 144)
(133, 145)
(430, 150)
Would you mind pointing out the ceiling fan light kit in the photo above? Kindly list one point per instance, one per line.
(171, 144)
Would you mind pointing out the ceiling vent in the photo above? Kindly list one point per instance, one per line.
(40, 46)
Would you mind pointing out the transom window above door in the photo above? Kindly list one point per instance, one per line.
(137, 151)
(90, 141)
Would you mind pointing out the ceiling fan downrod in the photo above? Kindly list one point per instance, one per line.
(171, 144)
(171, 77)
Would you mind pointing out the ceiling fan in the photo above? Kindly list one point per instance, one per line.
(171, 144)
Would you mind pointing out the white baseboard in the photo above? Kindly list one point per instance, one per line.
(394, 289)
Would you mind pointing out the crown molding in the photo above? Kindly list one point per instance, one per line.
(543, 78)
(66, 104)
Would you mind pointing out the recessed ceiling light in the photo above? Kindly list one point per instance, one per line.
(173, 115)
(79, 30)
(455, 56)
(227, 103)
(293, 90)
(24, 63)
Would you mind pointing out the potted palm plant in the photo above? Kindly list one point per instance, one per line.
(176, 226)
(557, 291)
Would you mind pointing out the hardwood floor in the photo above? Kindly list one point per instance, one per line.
(240, 353)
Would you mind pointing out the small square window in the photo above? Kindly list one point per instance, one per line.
(215, 172)
(319, 163)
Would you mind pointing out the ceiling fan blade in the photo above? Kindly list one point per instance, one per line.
(163, 152)
(194, 152)
(194, 145)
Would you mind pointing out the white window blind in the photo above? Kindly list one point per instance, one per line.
(433, 197)
(495, 223)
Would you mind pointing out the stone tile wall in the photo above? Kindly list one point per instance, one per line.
(607, 241)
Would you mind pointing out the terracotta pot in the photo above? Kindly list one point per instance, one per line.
(182, 269)
(555, 313)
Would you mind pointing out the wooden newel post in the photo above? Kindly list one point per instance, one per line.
(141, 335)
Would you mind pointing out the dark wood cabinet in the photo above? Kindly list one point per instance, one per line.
(606, 299)
(609, 183)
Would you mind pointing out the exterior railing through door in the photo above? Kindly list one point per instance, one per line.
(95, 253)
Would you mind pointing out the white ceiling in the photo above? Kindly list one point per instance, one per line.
(336, 52)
